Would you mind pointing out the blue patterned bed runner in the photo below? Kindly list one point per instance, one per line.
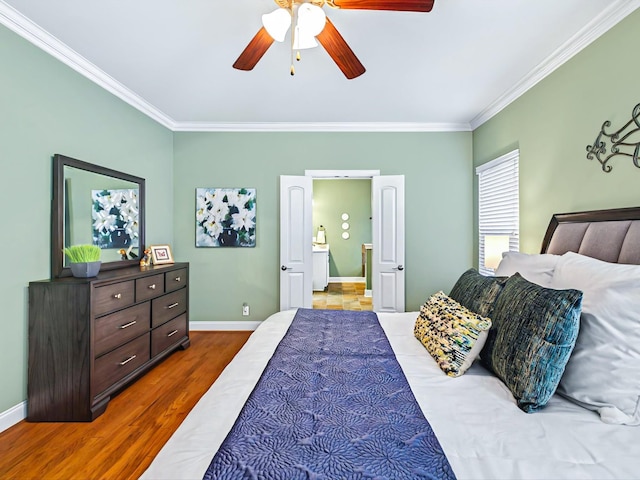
(332, 403)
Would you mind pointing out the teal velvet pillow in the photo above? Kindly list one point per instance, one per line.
(477, 292)
(534, 331)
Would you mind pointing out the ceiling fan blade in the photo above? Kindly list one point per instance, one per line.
(395, 5)
(341, 53)
(252, 54)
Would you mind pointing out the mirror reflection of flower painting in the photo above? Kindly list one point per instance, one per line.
(225, 217)
(115, 218)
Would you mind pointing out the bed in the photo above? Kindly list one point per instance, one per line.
(477, 418)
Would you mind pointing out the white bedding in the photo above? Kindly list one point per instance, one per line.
(482, 431)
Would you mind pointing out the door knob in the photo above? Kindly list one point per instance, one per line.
(283, 268)
(399, 267)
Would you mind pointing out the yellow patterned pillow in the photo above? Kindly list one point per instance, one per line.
(451, 333)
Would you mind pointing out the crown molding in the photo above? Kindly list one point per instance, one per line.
(321, 127)
(609, 17)
(42, 39)
(30, 31)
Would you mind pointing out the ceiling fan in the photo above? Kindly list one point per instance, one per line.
(312, 23)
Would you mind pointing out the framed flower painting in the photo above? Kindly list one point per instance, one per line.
(225, 217)
(115, 218)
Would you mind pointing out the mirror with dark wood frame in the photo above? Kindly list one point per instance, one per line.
(96, 205)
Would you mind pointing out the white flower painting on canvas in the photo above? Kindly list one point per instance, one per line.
(115, 218)
(225, 217)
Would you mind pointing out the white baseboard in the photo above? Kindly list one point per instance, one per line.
(347, 280)
(211, 326)
(15, 414)
(368, 293)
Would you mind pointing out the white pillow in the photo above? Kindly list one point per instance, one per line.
(603, 373)
(537, 268)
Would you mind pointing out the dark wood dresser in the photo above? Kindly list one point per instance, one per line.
(90, 337)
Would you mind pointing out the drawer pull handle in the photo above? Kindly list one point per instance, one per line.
(177, 279)
(122, 327)
(118, 296)
(152, 287)
(171, 334)
(124, 362)
(173, 305)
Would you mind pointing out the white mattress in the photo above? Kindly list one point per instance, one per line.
(476, 420)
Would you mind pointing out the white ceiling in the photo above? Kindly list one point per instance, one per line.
(450, 69)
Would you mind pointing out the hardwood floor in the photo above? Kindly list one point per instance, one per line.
(122, 442)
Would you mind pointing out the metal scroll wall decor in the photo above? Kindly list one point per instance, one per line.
(625, 142)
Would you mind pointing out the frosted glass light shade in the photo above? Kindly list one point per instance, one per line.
(311, 19)
(302, 41)
(277, 23)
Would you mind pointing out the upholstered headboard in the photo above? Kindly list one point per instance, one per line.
(609, 235)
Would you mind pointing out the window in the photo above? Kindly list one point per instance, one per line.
(498, 210)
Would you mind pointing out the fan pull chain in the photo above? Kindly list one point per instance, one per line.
(293, 29)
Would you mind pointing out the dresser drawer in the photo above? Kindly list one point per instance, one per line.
(168, 334)
(149, 287)
(120, 327)
(175, 279)
(168, 306)
(113, 297)
(122, 361)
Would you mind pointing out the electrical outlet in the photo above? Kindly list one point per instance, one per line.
(245, 309)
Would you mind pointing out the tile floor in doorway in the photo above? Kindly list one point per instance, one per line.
(342, 296)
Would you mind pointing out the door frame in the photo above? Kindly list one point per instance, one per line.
(352, 174)
(343, 174)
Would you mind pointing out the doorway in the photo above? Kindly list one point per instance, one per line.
(342, 226)
(296, 238)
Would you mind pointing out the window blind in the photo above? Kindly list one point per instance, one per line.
(498, 204)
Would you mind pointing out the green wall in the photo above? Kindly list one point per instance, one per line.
(553, 123)
(438, 180)
(332, 198)
(47, 108)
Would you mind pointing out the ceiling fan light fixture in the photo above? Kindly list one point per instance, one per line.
(277, 23)
(311, 19)
(303, 40)
(309, 23)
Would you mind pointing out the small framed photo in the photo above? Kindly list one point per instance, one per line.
(161, 254)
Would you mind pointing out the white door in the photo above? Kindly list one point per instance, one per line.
(387, 193)
(296, 231)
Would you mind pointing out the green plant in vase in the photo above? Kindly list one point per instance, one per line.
(84, 260)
